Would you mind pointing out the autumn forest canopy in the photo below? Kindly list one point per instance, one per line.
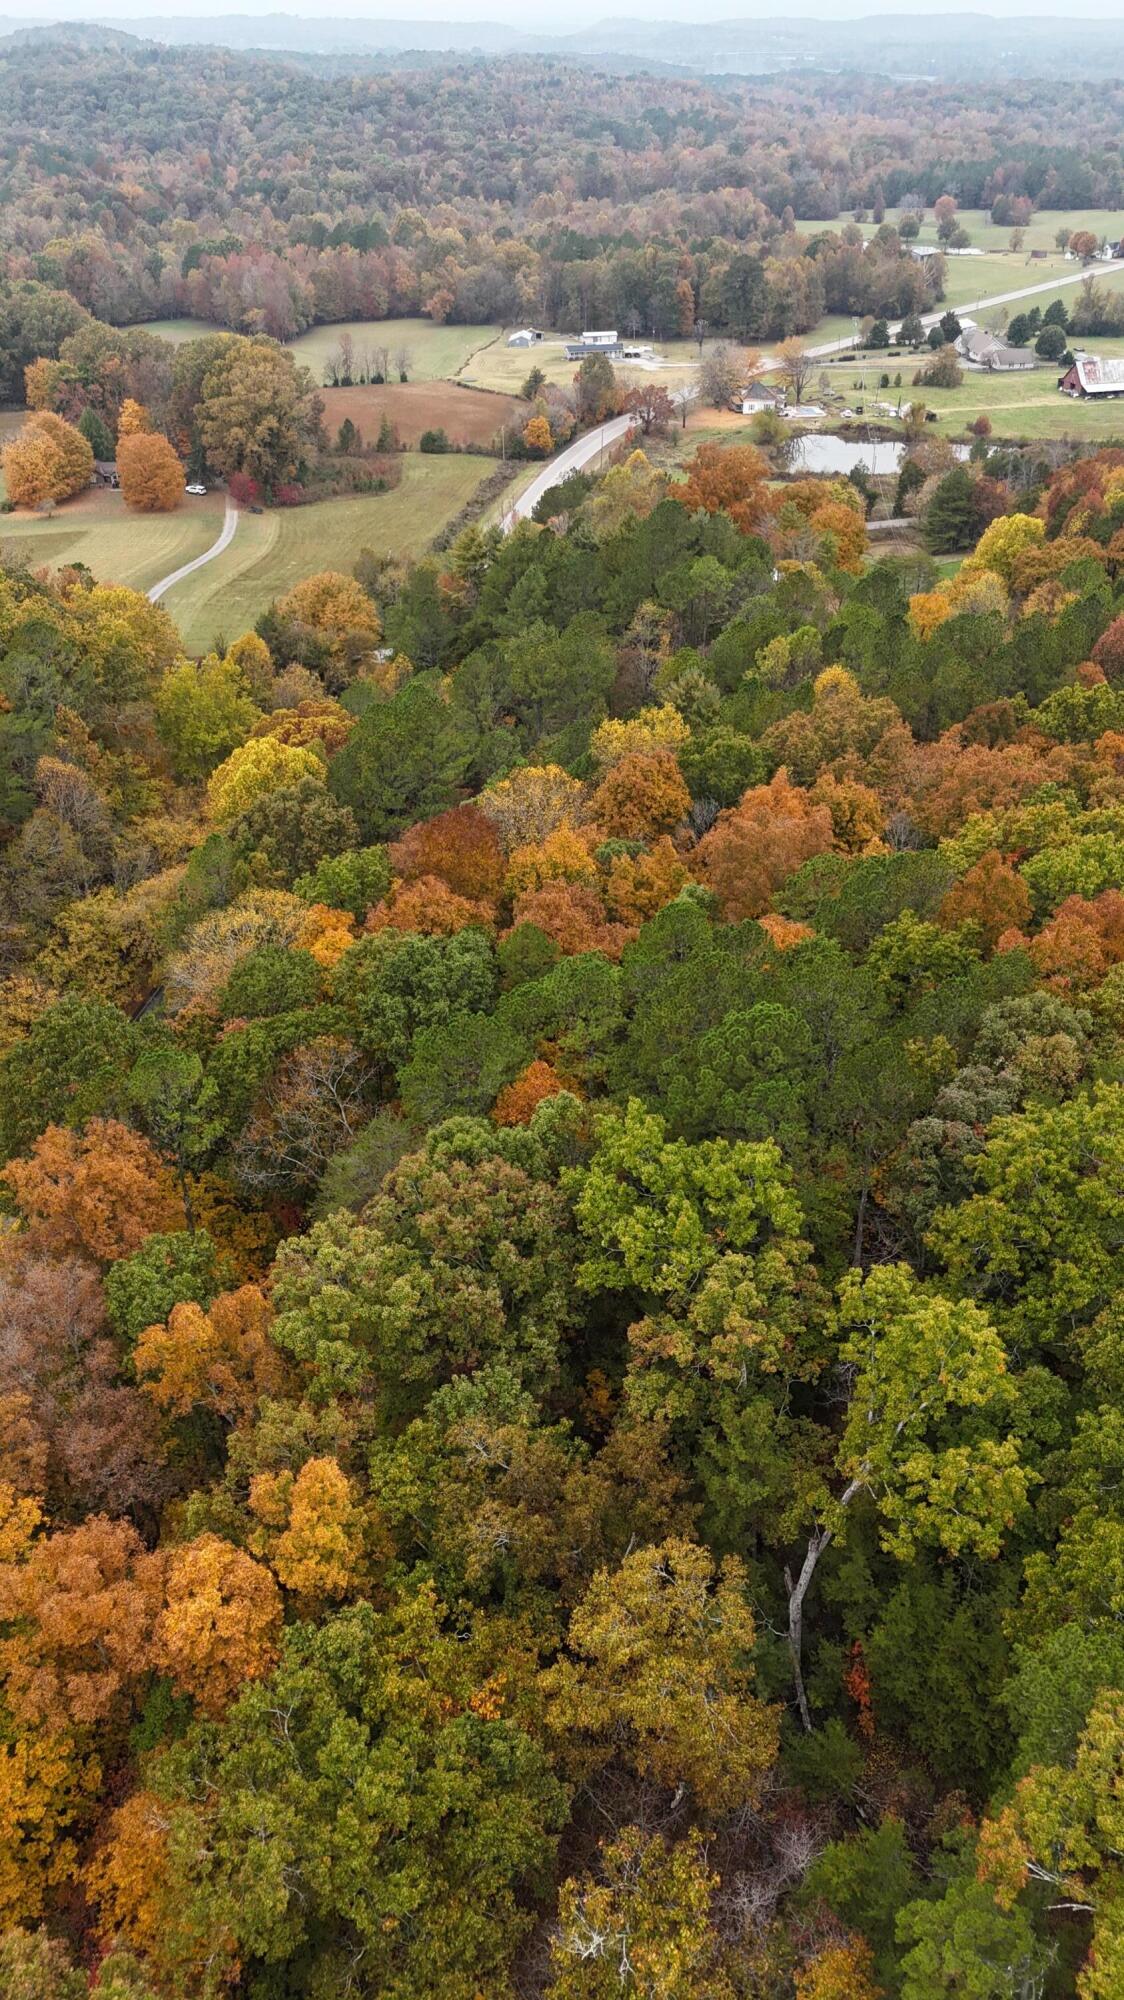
(267, 195)
(561, 1100)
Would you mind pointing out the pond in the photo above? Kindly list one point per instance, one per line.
(825, 452)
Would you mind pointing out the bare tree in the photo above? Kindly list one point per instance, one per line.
(721, 376)
(796, 367)
(403, 362)
(682, 399)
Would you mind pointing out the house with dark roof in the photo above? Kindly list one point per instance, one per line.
(985, 350)
(606, 341)
(761, 396)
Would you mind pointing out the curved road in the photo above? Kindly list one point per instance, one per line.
(229, 524)
(574, 459)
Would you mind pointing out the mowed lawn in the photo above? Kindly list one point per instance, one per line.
(499, 366)
(1040, 232)
(1025, 406)
(997, 317)
(118, 546)
(272, 551)
(177, 330)
(435, 351)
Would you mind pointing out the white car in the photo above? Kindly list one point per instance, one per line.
(197, 489)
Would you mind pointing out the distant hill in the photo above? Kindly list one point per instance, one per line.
(946, 46)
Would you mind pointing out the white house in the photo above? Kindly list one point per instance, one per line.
(599, 342)
(985, 350)
(761, 396)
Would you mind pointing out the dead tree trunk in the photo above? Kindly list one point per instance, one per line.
(797, 1592)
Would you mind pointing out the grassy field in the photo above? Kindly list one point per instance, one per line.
(499, 366)
(1019, 405)
(177, 330)
(969, 278)
(273, 550)
(1025, 406)
(997, 317)
(1040, 233)
(435, 351)
(467, 416)
(119, 547)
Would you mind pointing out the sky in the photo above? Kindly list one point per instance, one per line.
(549, 16)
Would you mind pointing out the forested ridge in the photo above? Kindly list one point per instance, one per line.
(265, 195)
(560, 1356)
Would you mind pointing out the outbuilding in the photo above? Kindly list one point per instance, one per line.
(1090, 376)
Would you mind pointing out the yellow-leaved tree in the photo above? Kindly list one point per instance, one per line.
(49, 460)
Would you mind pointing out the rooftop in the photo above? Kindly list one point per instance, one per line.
(1097, 376)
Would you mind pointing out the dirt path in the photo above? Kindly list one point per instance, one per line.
(229, 524)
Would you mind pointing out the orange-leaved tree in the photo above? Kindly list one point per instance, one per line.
(221, 1360)
(726, 479)
(429, 907)
(754, 846)
(133, 421)
(221, 1623)
(518, 1102)
(102, 1190)
(461, 845)
(152, 478)
(49, 460)
(79, 1611)
(641, 797)
(574, 917)
(990, 895)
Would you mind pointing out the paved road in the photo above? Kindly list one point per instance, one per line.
(590, 446)
(574, 459)
(230, 522)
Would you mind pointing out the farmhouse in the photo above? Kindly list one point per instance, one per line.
(986, 350)
(603, 342)
(761, 396)
(105, 473)
(1090, 376)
